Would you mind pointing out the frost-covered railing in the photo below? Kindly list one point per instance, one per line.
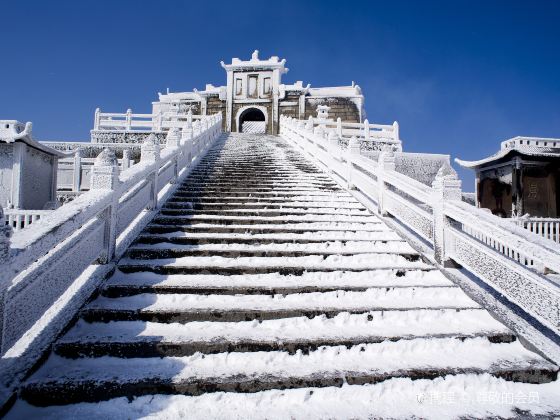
(548, 228)
(20, 219)
(74, 173)
(42, 278)
(492, 248)
(128, 121)
(371, 134)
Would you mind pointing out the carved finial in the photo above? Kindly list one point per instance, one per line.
(105, 171)
(447, 171)
(173, 137)
(106, 158)
(150, 149)
(255, 55)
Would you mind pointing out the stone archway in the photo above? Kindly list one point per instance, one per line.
(252, 119)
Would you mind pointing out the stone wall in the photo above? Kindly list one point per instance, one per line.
(344, 108)
(102, 136)
(215, 105)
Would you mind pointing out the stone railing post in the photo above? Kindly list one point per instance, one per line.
(385, 163)
(309, 125)
(333, 139)
(339, 127)
(158, 121)
(396, 131)
(126, 159)
(353, 150)
(105, 176)
(128, 119)
(150, 154)
(366, 130)
(173, 142)
(445, 187)
(96, 119)
(77, 179)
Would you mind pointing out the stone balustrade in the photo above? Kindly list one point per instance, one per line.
(49, 271)
(508, 258)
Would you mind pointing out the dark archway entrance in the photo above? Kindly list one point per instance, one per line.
(252, 120)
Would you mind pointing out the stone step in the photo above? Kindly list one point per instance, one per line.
(295, 205)
(301, 228)
(283, 265)
(152, 339)
(262, 220)
(126, 284)
(63, 381)
(197, 238)
(263, 212)
(258, 197)
(235, 250)
(174, 307)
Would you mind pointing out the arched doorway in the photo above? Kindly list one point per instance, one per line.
(251, 120)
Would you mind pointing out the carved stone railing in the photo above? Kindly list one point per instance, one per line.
(19, 219)
(454, 232)
(370, 136)
(50, 270)
(548, 228)
(128, 121)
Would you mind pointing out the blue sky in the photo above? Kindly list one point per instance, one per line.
(459, 76)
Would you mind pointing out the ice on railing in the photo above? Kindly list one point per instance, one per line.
(507, 257)
(41, 281)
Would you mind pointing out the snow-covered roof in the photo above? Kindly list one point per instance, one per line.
(297, 86)
(336, 91)
(195, 95)
(12, 131)
(524, 146)
(256, 63)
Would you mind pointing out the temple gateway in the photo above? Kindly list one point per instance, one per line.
(252, 100)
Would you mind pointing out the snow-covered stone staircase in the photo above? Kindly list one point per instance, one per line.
(259, 275)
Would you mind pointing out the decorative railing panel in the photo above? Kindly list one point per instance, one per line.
(507, 257)
(41, 264)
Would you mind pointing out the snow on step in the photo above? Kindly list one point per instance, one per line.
(257, 371)
(353, 304)
(318, 235)
(363, 301)
(343, 328)
(272, 281)
(324, 247)
(311, 262)
(393, 398)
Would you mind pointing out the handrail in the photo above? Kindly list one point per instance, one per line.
(42, 264)
(507, 257)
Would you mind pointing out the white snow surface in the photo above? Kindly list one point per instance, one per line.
(376, 278)
(397, 298)
(385, 358)
(450, 397)
(388, 324)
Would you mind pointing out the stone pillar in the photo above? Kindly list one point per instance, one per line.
(77, 179)
(126, 160)
(150, 154)
(445, 187)
(173, 138)
(385, 163)
(105, 171)
(105, 176)
(333, 139)
(366, 130)
(5, 234)
(353, 150)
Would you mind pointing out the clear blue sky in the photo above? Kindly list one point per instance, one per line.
(459, 76)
